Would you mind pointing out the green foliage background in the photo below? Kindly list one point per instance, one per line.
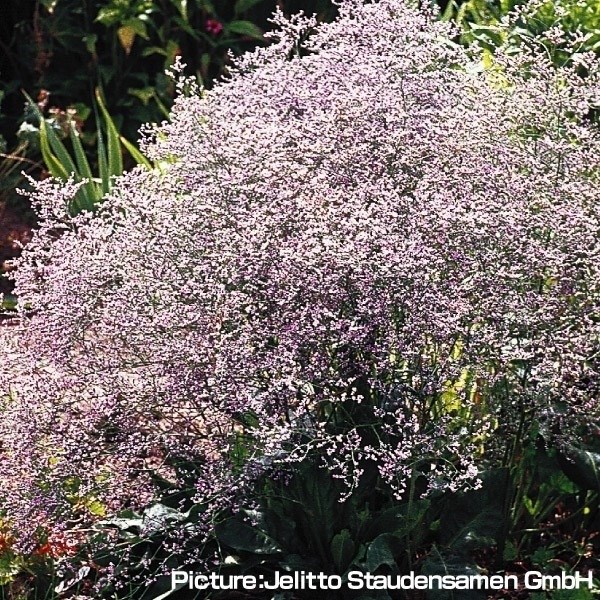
(70, 47)
(60, 52)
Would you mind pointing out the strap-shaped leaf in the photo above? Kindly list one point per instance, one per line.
(51, 161)
(115, 160)
(246, 28)
(60, 151)
(103, 172)
(90, 192)
(139, 158)
(343, 550)
(59, 162)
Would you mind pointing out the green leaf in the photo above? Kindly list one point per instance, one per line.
(126, 519)
(172, 51)
(53, 149)
(157, 517)
(60, 150)
(449, 11)
(185, 26)
(245, 28)
(150, 50)
(82, 110)
(382, 551)
(181, 6)
(204, 63)
(164, 582)
(144, 94)
(244, 536)
(10, 566)
(102, 161)
(469, 521)
(207, 6)
(542, 556)
(96, 508)
(90, 40)
(561, 483)
(473, 519)
(54, 153)
(342, 550)
(244, 5)
(582, 593)
(51, 161)
(395, 520)
(115, 160)
(139, 158)
(89, 192)
(531, 507)
(8, 302)
(510, 551)
(109, 15)
(581, 466)
(138, 26)
(487, 33)
(439, 564)
(477, 532)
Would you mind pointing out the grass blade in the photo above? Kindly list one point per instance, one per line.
(60, 151)
(139, 158)
(89, 190)
(115, 160)
(103, 172)
(51, 161)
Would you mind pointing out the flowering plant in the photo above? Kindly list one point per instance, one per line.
(368, 250)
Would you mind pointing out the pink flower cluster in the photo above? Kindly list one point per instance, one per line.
(378, 251)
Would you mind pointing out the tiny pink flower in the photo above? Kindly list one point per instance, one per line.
(213, 26)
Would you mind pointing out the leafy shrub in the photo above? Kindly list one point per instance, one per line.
(370, 251)
(67, 48)
(563, 26)
(61, 51)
